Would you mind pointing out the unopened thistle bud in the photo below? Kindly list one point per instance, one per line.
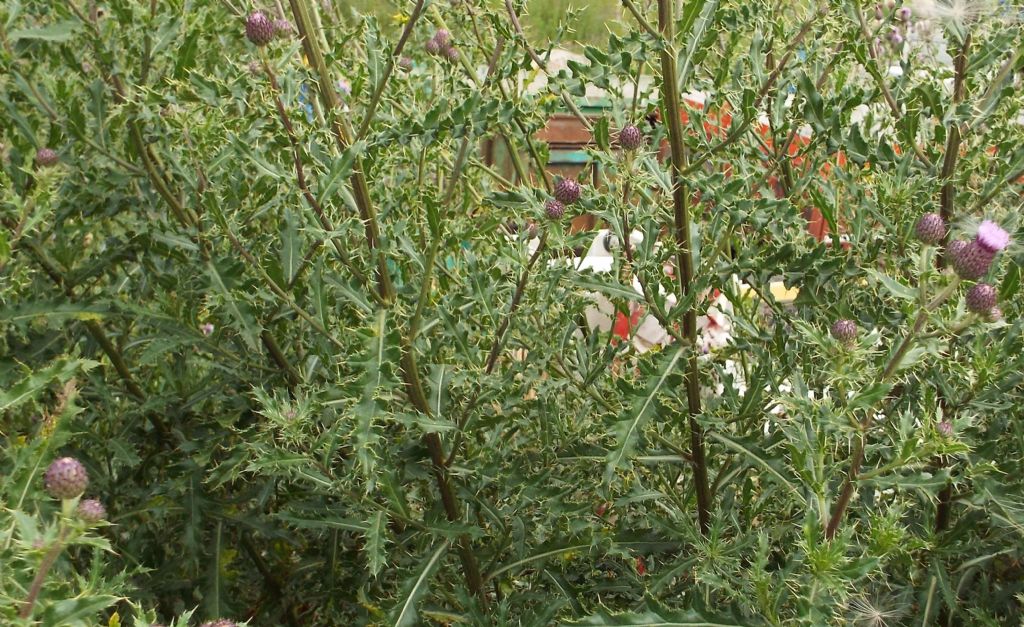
(981, 298)
(845, 331)
(554, 209)
(66, 478)
(930, 228)
(91, 511)
(630, 138)
(567, 191)
(259, 29)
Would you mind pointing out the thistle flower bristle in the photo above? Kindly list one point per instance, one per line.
(959, 11)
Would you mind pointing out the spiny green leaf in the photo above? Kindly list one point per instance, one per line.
(627, 431)
(376, 538)
(404, 612)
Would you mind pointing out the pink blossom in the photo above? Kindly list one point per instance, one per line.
(992, 236)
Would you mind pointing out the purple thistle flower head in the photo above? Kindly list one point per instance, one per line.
(945, 428)
(971, 260)
(903, 14)
(91, 511)
(630, 138)
(442, 37)
(433, 47)
(994, 315)
(452, 54)
(981, 298)
(567, 191)
(554, 209)
(992, 236)
(283, 29)
(405, 63)
(259, 29)
(895, 38)
(66, 478)
(930, 228)
(46, 157)
(845, 331)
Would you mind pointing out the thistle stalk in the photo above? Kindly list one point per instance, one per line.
(684, 258)
(890, 369)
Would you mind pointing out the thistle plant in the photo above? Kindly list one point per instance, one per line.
(304, 297)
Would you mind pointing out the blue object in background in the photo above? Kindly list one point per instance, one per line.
(307, 106)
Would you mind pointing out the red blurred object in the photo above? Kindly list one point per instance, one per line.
(641, 567)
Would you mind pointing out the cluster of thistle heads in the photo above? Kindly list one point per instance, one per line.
(66, 479)
(971, 260)
(569, 191)
(899, 25)
(440, 45)
(261, 30)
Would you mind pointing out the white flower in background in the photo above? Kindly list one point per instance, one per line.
(715, 328)
(958, 11)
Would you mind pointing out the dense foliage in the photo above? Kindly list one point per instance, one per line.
(259, 280)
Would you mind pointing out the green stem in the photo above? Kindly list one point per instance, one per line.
(684, 259)
(890, 369)
(44, 567)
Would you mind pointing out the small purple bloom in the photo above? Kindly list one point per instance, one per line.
(259, 29)
(981, 298)
(630, 138)
(903, 14)
(46, 157)
(945, 428)
(845, 331)
(207, 329)
(992, 236)
(66, 478)
(554, 209)
(930, 228)
(567, 191)
(91, 511)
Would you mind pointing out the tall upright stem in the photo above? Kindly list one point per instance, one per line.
(332, 108)
(947, 202)
(684, 258)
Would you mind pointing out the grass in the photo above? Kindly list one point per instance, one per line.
(589, 21)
